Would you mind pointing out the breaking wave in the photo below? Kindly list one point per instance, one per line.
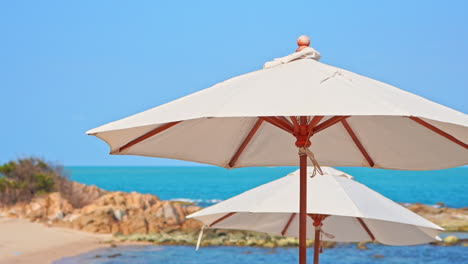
(200, 202)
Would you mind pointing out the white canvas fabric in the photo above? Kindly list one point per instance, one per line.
(217, 120)
(306, 53)
(268, 208)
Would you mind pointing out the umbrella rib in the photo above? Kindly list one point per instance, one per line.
(246, 141)
(222, 219)
(313, 123)
(286, 121)
(328, 123)
(357, 142)
(366, 228)
(294, 120)
(148, 135)
(439, 131)
(285, 229)
(276, 122)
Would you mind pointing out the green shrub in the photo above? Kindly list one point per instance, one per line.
(45, 182)
(7, 168)
(23, 179)
(2, 184)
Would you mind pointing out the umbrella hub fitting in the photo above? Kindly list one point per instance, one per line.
(303, 141)
(318, 220)
(303, 137)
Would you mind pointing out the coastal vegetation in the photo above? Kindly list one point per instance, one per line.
(24, 179)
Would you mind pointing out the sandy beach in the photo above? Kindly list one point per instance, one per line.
(24, 242)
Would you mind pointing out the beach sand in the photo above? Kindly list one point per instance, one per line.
(24, 242)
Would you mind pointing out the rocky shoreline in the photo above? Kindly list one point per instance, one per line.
(219, 237)
(144, 217)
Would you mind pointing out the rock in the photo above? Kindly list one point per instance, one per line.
(107, 212)
(362, 245)
(269, 244)
(191, 225)
(115, 228)
(114, 255)
(35, 206)
(58, 216)
(133, 213)
(118, 214)
(71, 217)
(55, 205)
(169, 212)
(12, 213)
(191, 209)
(137, 224)
(328, 244)
(46, 207)
(126, 200)
(378, 256)
(286, 242)
(216, 238)
(99, 221)
(451, 240)
(154, 224)
(84, 194)
(452, 219)
(251, 243)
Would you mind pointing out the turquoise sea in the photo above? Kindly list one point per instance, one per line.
(208, 185)
(347, 254)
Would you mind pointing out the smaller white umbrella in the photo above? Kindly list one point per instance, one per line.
(339, 207)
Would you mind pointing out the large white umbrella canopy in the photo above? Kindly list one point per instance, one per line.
(355, 212)
(231, 124)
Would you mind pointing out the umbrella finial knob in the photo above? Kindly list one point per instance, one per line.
(303, 42)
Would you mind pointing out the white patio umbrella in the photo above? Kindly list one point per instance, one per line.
(262, 119)
(345, 210)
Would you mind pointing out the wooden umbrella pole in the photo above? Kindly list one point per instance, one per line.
(302, 141)
(317, 244)
(318, 220)
(303, 210)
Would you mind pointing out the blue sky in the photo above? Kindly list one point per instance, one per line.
(68, 66)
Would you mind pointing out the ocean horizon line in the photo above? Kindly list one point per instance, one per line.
(259, 167)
